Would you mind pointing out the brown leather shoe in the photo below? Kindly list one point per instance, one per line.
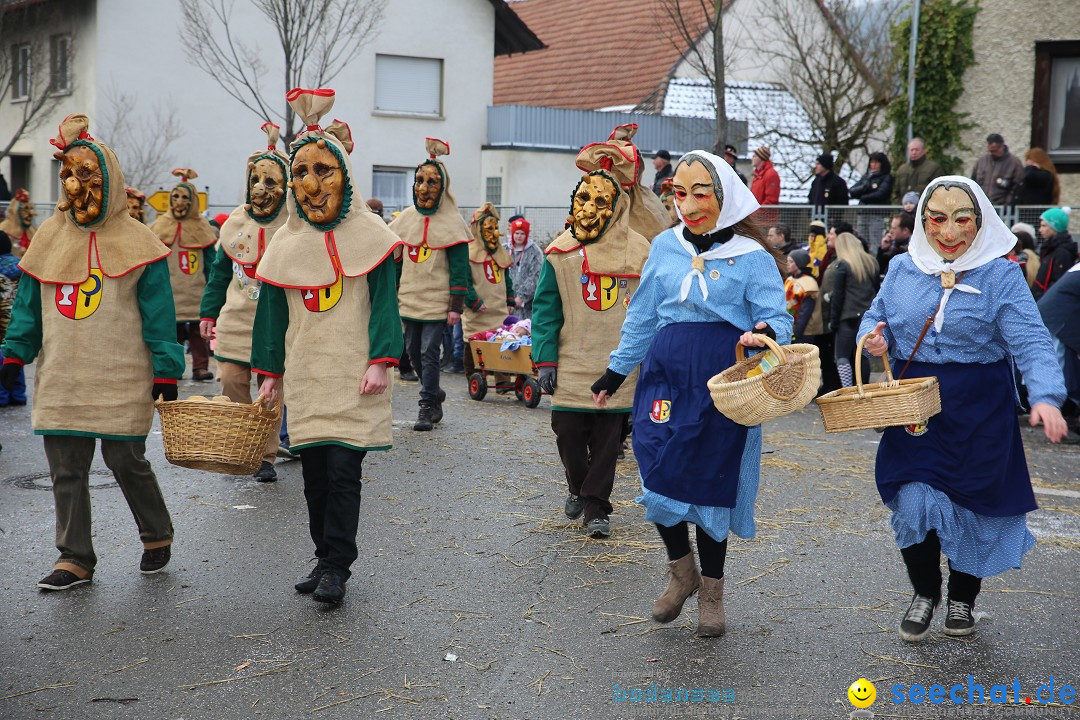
(711, 621)
(683, 582)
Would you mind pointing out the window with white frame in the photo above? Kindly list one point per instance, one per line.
(20, 71)
(392, 186)
(60, 63)
(493, 188)
(409, 85)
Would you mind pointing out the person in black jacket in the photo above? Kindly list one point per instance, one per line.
(828, 188)
(1040, 185)
(853, 289)
(875, 186)
(1058, 250)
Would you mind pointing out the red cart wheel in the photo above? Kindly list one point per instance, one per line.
(477, 386)
(531, 393)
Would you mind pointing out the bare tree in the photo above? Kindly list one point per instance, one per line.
(141, 137)
(318, 38)
(697, 29)
(35, 69)
(838, 58)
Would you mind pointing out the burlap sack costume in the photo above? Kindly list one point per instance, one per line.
(140, 197)
(94, 370)
(424, 293)
(621, 158)
(12, 224)
(244, 239)
(596, 282)
(488, 277)
(323, 269)
(188, 238)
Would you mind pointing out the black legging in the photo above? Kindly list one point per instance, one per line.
(923, 561)
(711, 554)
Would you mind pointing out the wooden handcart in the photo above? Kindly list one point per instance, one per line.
(488, 357)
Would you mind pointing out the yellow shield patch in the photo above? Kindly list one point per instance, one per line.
(188, 260)
(600, 292)
(80, 301)
(419, 254)
(322, 299)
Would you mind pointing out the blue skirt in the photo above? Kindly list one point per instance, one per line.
(696, 464)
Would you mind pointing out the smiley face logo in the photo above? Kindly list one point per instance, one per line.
(188, 261)
(492, 272)
(862, 693)
(80, 301)
(322, 299)
(419, 253)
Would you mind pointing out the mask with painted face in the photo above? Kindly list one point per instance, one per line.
(83, 180)
(180, 202)
(489, 233)
(266, 187)
(698, 195)
(427, 187)
(26, 213)
(951, 220)
(135, 207)
(318, 182)
(592, 207)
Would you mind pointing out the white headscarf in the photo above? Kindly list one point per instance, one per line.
(993, 240)
(736, 203)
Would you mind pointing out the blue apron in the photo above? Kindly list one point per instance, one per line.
(686, 449)
(971, 450)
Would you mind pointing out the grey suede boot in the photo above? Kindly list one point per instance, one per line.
(711, 608)
(683, 582)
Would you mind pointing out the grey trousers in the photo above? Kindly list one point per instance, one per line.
(69, 465)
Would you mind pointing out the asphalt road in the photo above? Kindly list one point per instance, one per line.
(474, 597)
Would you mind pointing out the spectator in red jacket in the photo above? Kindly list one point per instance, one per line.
(766, 182)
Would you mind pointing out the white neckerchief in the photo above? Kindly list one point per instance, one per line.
(994, 240)
(738, 245)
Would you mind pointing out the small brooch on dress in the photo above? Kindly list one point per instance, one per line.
(698, 264)
(948, 280)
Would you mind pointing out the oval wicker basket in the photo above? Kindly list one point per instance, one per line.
(890, 403)
(219, 437)
(783, 389)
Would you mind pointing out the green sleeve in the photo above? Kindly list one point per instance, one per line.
(472, 299)
(268, 334)
(398, 264)
(509, 288)
(384, 325)
(209, 258)
(458, 257)
(159, 320)
(213, 298)
(23, 340)
(547, 317)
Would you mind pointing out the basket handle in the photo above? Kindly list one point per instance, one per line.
(740, 350)
(858, 364)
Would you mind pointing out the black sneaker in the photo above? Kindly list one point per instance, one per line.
(959, 620)
(573, 507)
(308, 584)
(266, 472)
(598, 527)
(155, 560)
(409, 376)
(916, 622)
(423, 418)
(436, 413)
(331, 588)
(61, 580)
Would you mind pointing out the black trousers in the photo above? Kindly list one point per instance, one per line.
(589, 448)
(711, 554)
(423, 341)
(923, 561)
(332, 487)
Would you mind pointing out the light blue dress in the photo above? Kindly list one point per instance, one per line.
(743, 291)
(1001, 323)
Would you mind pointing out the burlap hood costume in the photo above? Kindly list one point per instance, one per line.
(21, 230)
(438, 228)
(490, 281)
(188, 236)
(621, 158)
(191, 232)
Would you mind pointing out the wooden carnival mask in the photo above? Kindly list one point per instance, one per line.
(489, 233)
(180, 202)
(593, 206)
(951, 220)
(427, 186)
(135, 207)
(266, 187)
(26, 213)
(84, 183)
(318, 182)
(698, 196)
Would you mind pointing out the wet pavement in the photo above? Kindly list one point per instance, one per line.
(474, 597)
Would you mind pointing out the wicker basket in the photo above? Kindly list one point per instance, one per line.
(891, 403)
(783, 389)
(219, 437)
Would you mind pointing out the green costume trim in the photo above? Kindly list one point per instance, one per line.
(547, 316)
(247, 197)
(268, 332)
(346, 203)
(217, 286)
(105, 184)
(159, 320)
(597, 411)
(431, 211)
(102, 436)
(323, 443)
(23, 339)
(614, 205)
